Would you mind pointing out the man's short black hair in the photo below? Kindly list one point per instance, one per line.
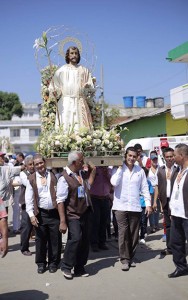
(182, 148)
(130, 149)
(168, 149)
(137, 147)
(20, 154)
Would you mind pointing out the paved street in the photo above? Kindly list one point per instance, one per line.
(149, 280)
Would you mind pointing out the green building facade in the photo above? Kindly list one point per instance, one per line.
(158, 125)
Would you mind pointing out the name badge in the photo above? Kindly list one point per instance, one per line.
(81, 192)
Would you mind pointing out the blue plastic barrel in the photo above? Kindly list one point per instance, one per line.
(140, 101)
(128, 101)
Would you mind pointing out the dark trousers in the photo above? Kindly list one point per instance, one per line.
(154, 217)
(115, 224)
(178, 237)
(143, 223)
(128, 229)
(48, 238)
(167, 220)
(99, 220)
(77, 246)
(26, 229)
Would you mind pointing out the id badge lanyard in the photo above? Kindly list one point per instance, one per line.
(81, 189)
(44, 183)
(178, 180)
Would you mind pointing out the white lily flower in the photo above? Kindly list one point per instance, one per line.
(39, 43)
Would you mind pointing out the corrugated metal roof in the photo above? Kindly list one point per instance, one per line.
(145, 115)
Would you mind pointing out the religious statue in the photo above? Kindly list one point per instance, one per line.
(70, 80)
(4, 145)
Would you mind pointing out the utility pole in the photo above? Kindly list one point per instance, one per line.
(102, 97)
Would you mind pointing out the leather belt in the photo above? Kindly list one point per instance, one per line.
(46, 210)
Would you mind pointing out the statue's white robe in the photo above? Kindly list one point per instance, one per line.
(73, 109)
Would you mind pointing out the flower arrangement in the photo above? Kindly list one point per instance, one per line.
(48, 108)
(48, 115)
(47, 74)
(98, 142)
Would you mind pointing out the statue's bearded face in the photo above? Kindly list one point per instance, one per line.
(73, 56)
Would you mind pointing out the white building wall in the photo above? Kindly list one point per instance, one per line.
(24, 135)
(5, 132)
(179, 102)
(30, 120)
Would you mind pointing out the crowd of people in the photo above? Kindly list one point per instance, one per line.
(82, 199)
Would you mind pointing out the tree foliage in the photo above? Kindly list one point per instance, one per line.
(110, 115)
(9, 105)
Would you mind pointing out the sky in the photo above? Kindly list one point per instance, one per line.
(130, 40)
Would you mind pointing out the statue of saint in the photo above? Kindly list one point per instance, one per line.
(70, 80)
(4, 145)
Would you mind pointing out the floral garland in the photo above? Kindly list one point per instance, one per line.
(98, 142)
(48, 108)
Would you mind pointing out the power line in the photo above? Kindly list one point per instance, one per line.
(157, 84)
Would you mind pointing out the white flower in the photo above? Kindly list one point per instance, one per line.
(106, 136)
(95, 135)
(97, 142)
(88, 138)
(39, 43)
(106, 142)
(110, 145)
(78, 139)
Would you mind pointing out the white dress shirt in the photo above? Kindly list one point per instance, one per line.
(176, 200)
(44, 201)
(7, 173)
(128, 186)
(63, 188)
(23, 178)
(168, 182)
(153, 177)
(161, 161)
